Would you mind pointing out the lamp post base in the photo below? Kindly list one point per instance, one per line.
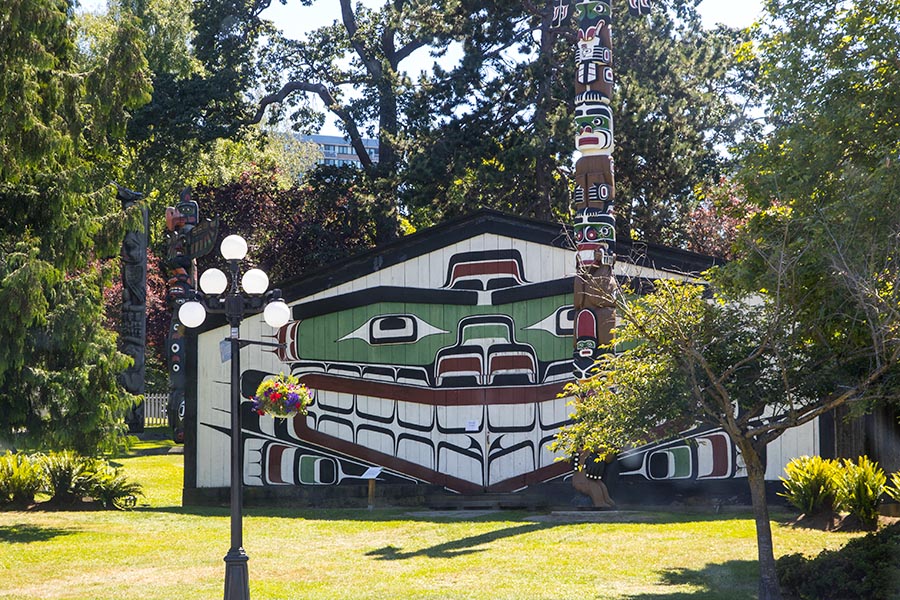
(237, 578)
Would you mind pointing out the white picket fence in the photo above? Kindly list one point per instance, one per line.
(155, 410)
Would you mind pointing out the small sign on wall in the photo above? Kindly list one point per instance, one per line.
(473, 425)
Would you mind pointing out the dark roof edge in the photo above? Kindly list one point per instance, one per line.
(422, 242)
(479, 222)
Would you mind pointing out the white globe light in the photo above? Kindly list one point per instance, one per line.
(233, 247)
(277, 314)
(192, 314)
(255, 281)
(213, 281)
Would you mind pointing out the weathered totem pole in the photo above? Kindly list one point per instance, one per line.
(594, 203)
(134, 306)
(187, 239)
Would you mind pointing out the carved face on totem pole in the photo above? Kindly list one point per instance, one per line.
(594, 67)
(593, 124)
(592, 16)
(586, 334)
(595, 184)
(595, 237)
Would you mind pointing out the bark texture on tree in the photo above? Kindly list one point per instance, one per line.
(769, 588)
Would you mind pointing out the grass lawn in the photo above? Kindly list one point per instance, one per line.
(161, 551)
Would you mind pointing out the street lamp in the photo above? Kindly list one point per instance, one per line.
(234, 304)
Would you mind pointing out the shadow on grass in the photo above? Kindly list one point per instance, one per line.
(25, 534)
(631, 516)
(460, 547)
(732, 580)
(349, 514)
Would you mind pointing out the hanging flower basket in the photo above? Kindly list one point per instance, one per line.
(284, 396)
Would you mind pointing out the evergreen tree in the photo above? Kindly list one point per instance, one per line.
(58, 364)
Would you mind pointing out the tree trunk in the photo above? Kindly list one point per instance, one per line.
(543, 165)
(769, 589)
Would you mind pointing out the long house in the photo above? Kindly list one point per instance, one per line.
(439, 359)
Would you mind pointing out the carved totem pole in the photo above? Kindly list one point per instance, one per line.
(187, 239)
(594, 202)
(134, 306)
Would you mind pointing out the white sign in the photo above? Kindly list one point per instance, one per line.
(473, 425)
(371, 473)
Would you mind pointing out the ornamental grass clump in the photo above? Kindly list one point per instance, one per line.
(859, 489)
(69, 476)
(21, 478)
(283, 396)
(112, 489)
(893, 488)
(811, 485)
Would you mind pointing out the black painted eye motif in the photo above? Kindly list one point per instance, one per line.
(393, 329)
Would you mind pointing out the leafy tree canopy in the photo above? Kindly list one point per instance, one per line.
(58, 365)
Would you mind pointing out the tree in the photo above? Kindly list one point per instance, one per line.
(511, 145)
(296, 230)
(712, 226)
(494, 129)
(829, 73)
(58, 364)
(806, 318)
(740, 361)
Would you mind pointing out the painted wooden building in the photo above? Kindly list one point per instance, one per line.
(438, 358)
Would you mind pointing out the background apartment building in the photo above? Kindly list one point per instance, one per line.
(337, 151)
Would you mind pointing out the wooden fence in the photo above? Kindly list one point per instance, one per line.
(155, 412)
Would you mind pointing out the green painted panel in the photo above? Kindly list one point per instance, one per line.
(682, 459)
(308, 469)
(344, 335)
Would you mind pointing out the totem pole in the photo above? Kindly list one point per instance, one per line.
(594, 203)
(134, 306)
(187, 238)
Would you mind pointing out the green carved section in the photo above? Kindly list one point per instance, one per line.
(320, 337)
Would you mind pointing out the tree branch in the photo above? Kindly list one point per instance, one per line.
(323, 92)
(349, 20)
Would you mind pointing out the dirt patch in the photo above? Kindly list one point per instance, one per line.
(838, 522)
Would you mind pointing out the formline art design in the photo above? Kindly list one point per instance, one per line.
(134, 306)
(594, 199)
(440, 360)
(187, 238)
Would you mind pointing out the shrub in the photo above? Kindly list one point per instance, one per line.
(811, 484)
(893, 488)
(859, 489)
(69, 476)
(21, 478)
(112, 489)
(867, 567)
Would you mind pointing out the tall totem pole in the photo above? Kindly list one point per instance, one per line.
(134, 306)
(188, 238)
(594, 198)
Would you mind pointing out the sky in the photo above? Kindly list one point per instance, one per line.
(295, 20)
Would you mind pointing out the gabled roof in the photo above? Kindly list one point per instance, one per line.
(477, 223)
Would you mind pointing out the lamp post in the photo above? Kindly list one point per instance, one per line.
(217, 297)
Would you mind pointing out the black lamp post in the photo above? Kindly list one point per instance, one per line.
(234, 305)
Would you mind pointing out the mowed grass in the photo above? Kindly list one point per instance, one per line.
(163, 551)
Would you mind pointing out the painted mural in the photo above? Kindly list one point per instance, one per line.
(454, 385)
(439, 360)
